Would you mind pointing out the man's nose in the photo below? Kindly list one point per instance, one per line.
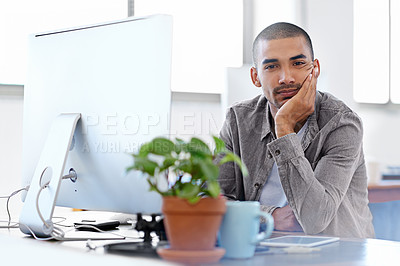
(286, 77)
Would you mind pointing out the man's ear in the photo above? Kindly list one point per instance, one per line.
(317, 68)
(254, 77)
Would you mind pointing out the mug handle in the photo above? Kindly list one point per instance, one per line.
(270, 226)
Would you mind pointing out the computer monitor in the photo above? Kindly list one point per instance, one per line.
(113, 79)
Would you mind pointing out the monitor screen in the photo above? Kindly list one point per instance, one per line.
(116, 76)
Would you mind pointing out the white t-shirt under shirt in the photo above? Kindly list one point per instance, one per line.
(272, 193)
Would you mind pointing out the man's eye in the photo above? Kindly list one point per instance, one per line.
(298, 63)
(270, 67)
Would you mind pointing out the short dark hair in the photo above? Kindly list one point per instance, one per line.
(280, 30)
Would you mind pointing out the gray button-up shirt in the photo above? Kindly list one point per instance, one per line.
(323, 175)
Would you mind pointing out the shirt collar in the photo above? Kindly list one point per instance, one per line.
(266, 121)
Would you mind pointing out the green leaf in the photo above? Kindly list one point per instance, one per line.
(194, 200)
(168, 162)
(213, 188)
(196, 172)
(209, 171)
(162, 146)
(145, 149)
(196, 147)
(185, 166)
(179, 145)
(231, 157)
(145, 165)
(219, 146)
(188, 191)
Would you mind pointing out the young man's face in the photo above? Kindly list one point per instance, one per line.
(282, 66)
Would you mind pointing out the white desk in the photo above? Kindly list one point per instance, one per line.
(15, 248)
(18, 251)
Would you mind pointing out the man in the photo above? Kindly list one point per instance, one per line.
(303, 147)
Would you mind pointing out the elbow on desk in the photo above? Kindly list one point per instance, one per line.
(314, 228)
(316, 218)
(313, 225)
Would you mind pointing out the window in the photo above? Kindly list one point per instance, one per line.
(371, 51)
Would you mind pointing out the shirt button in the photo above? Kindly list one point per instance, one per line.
(257, 185)
(269, 156)
(277, 152)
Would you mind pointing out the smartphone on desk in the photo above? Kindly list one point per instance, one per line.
(97, 226)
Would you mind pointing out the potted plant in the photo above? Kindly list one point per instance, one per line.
(192, 206)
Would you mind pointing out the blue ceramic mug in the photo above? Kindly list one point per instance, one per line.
(239, 231)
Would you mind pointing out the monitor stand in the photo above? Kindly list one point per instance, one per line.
(37, 211)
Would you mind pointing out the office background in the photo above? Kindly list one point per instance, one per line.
(330, 25)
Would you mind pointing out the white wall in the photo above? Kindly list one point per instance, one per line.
(11, 107)
(330, 25)
(195, 114)
(238, 87)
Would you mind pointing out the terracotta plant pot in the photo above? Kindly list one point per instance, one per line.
(192, 226)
